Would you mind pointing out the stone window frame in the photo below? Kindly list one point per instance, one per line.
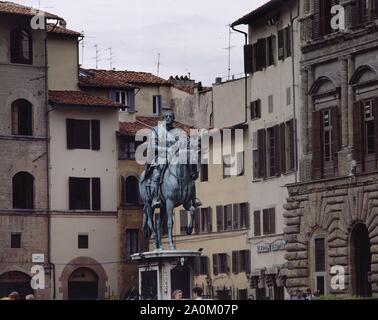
(319, 234)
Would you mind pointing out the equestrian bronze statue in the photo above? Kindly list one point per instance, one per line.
(168, 180)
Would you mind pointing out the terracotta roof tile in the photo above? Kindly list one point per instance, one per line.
(188, 88)
(79, 98)
(17, 9)
(131, 128)
(117, 79)
(51, 28)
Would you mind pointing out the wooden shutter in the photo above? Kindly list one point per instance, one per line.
(247, 223)
(282, 139)
(209, 212)
(131, 100)
(248, 58)
(336, 136)
(235, 216)
(70, 125)
(281, 44)
(96, 194)
(72, 192)
(375, 114)
(261, 54)
(272, 220)
(205, 264)
(95, 134)
(317, 152)
(235, 262)
(257, 223)
(277, 150)
(220, 224)
(266, 221)
(358, 146)
(197, 221)
(261, 145)
(287, 41)
(248, 261)
(215, 264)
(228, 217)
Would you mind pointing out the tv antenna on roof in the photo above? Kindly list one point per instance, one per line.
(97, 57)
(158, 64)
(229, 51)
(111, 57)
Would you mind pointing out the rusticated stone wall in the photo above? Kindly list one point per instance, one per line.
(333, 206)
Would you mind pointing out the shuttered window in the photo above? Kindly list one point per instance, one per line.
(261, 145)
(204, 174)
(269, 221)
(183, 221)
(83, 134)
(95, 134)
(270, 43)
(248, 58)
(83, 192)
(235, 262)
(215, 264)
(204, 266)
(96, 194)
(220, 225)
(261, 54)
(235, 216)
(281, 45)
(228, 217)
(132, 242)
(244, 216)
(256, 109)
(157, 105)
(206, 220)
(257, 223)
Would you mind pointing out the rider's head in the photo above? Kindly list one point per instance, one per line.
(169, 117)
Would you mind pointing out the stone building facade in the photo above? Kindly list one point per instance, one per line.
(24, 204)
(331, 215)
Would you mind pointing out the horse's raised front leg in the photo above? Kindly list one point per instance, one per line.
(169, 206)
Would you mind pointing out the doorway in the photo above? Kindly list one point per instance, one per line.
(83, 285)
(15, 281)
(361, 261)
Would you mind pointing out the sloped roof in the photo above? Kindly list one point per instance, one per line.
(131, 128)
(80, 98)
(55, 29)
(117, 79)
(18, 9)
(260, 11)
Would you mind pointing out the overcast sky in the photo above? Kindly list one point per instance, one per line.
(191, 36)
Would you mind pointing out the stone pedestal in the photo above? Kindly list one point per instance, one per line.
(163, 271)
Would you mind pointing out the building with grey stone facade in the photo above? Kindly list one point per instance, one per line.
(24, 207)
(331, 214)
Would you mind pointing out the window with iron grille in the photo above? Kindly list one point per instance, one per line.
(319, 255)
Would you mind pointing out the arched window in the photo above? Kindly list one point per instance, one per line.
(132, 192)
(23, 193)
(21, 46)
(22, 118)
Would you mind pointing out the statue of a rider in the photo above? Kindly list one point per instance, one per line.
(159, 154)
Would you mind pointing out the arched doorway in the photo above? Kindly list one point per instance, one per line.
(361, 261)
(15, 281)
(83, 285)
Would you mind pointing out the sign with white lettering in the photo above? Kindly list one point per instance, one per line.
(278, 245)
(38, 258)
(263, 248)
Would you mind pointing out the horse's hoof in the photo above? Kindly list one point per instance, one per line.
(189, 230)
(172, 247)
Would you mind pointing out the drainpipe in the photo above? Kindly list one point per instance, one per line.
(292, 19)
(52, 266)
(246, 79)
